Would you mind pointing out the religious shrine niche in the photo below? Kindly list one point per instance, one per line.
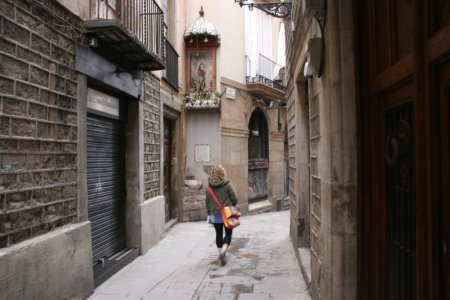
(202, 41)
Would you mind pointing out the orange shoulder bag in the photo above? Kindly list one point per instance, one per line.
(230, 214)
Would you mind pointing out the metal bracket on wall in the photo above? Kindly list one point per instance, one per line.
(275, 9)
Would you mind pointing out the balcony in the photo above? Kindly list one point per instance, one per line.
(171, 74)
(265, 78)
(127, 32)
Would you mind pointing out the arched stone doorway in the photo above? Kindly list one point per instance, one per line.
(258, 156)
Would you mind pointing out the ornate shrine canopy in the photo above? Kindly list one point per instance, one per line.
(201, 27)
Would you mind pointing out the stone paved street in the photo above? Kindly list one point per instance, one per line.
(261, 265)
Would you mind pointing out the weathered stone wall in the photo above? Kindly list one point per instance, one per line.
(277, 167)
(235, 160)
(338, 157)
(291, 126)
(322, 143)
(38, 119)
(153, 227)
(152, 137)
(194, 205)
(57, 265)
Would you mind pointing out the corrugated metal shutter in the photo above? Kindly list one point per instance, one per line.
(106, 184)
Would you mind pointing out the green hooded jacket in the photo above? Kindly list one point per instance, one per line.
(225, 193)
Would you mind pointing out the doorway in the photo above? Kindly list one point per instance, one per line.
(258, 156)
(106, 185)
(168, 153)
(106, 151)
(441, 180)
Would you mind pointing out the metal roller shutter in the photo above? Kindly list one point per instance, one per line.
(106, 184)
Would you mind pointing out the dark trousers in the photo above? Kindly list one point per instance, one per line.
(220, 240)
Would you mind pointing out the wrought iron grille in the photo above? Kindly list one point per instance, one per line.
(265, 71)
(401, 205)
(143, 18)
(258, 170)
(171, 65)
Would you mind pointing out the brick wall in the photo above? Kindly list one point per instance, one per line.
(38, 119)
(152, 137)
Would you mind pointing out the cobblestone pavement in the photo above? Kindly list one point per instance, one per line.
(261, 264)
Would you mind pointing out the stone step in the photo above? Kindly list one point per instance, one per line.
(304, 260)
(260, 207)
(169, 224)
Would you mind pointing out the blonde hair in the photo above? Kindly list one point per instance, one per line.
(218, 173)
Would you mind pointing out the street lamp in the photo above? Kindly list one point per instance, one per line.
(275, 9)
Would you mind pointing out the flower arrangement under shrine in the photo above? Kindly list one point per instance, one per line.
(202, 97)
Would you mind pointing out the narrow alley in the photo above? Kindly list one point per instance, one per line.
(261, 264)
(331, 119)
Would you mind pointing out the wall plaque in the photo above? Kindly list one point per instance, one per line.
(202, 153)
(230, 93)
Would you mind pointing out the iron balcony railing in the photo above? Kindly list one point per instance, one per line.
(143, 18)
(265, 71)
(171, 60)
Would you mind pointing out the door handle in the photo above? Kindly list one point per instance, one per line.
(397, 145)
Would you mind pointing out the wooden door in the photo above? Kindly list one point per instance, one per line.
(399, 193)
(404, 84)
(258, 156)
(167, 167)
(437, 55)
(441, 181)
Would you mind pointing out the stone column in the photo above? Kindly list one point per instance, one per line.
(336, 278)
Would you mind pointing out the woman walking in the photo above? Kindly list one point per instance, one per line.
(227, 196)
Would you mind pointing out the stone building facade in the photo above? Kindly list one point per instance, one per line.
(322, 145)
(172, 116)
(49, 76)
(225, 129)
(39, 137)
(39, 123)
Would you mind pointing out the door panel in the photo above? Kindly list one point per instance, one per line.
(167, 166)
(401, 202)
(389, 209)
(396, 222)
(443, 179)
(404, 87)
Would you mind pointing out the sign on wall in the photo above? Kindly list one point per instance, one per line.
(202, 153)
(230, 93)
(102, 102)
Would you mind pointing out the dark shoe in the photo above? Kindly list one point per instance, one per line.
(222, 259)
